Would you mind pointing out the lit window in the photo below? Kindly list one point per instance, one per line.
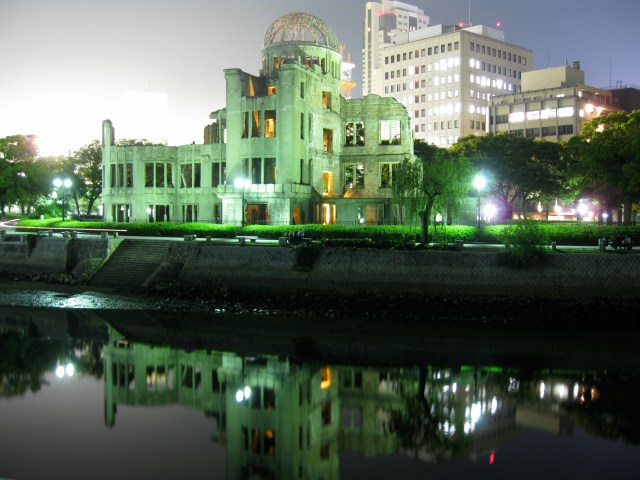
(326, 378)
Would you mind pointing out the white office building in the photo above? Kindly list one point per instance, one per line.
(553, 105)
(446, 75)
(383, 21)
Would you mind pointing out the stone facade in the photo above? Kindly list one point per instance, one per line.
(287, 149)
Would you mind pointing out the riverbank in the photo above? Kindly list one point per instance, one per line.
(324, 271)
(395, 309)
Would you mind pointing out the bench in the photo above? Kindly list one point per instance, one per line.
(65, 232)
(243, 238)
(295, 241)
(620, 242)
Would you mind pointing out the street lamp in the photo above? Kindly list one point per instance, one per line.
(242, 183)
(479, 182)
(582, 209)
(66, 185)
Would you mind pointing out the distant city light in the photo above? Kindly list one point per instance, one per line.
(65, 370)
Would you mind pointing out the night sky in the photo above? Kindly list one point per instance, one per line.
(155, 68)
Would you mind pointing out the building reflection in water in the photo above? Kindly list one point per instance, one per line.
(282, 419)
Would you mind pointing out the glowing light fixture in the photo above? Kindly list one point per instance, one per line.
(243, 394)
(239, 396)
(65, 185)
(489, 211)
(67, 370)
(479, 182)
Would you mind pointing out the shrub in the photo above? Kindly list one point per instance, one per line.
(306, 255)
(525, 243)
(372, 236)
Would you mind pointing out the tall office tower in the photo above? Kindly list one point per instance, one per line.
(383, 21)
(445, 76)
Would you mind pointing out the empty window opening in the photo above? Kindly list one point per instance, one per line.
(327, 140)
(270, 123)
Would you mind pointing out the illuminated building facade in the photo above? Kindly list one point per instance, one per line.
(287, 149)
(382, 22)
(553, 105)
(287, 419)
(446, 75)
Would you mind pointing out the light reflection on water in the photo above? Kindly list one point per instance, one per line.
(133, 407)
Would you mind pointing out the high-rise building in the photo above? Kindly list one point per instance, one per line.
(444, 75)
(382, 22)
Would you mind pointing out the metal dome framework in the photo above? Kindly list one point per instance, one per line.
(301, 27)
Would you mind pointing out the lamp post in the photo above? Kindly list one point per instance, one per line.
(581, 210)
(65, 185)
(479, 182)
(242, 183)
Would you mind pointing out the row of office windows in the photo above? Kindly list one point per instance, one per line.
(440, 66)
(533, 115)
(551, 131)
(442, 141)
(493, 68)
(510, 57)
(443, 125)
(424, 52)
(498, 83)
(422, 83)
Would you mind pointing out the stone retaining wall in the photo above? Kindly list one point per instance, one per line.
(269, 268)
(581, 275)
(29, 254)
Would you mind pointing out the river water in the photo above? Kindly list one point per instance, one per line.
(140, 394)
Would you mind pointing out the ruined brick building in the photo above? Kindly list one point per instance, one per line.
(287, 148)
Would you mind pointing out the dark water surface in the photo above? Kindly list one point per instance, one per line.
(120, 394)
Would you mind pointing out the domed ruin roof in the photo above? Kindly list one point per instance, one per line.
(301, 27)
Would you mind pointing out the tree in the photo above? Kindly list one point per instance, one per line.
(17, 154)
(32, 183)
(433, 179)
(418, 423)
(608, 159)
(523, 169)
(86, 166)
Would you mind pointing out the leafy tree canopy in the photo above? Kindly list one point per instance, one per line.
(521, 168)
(607, 155)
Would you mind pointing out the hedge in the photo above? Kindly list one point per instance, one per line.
(562, 234)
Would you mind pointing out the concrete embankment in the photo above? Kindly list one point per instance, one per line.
(31, 254)
(342, 271)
